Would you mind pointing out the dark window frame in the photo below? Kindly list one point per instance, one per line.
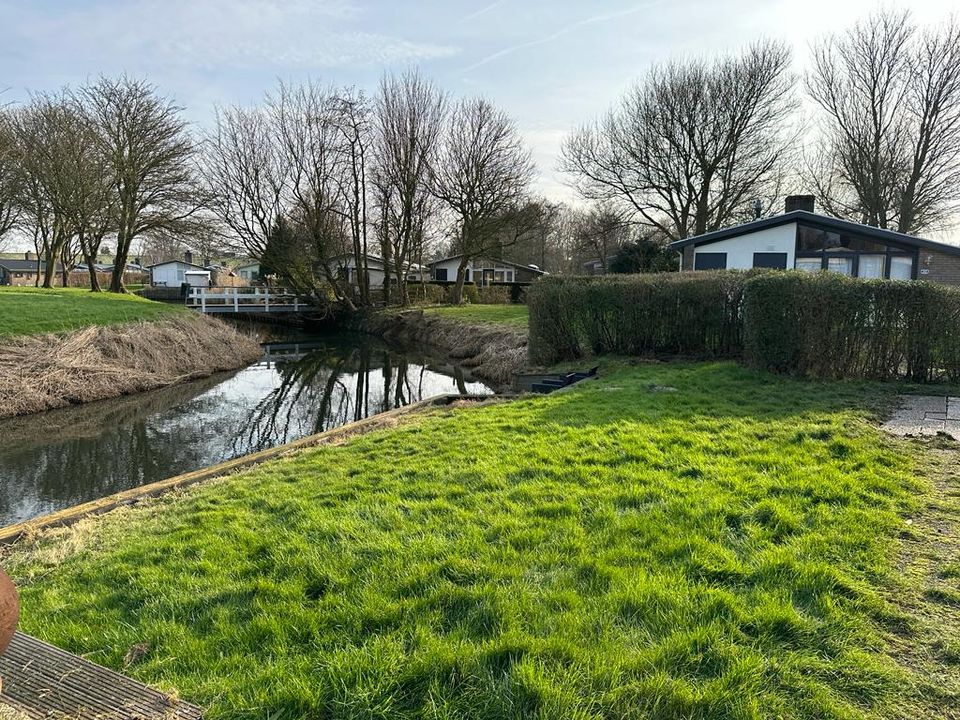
(711, 255)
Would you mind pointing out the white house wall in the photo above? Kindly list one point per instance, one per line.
(740, 250)
(169, 274)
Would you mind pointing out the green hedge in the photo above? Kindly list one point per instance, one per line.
(829, 326)
(821, 325)
(691, 315)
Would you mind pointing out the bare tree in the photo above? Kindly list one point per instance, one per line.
(599, 233)
(890, 97)
(687, 150)
(323, 137)
(150, 154)
(246, 174)
(482, 172)
(10, 174)
(408, 117)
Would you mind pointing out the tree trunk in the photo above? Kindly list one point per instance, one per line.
(461, 276)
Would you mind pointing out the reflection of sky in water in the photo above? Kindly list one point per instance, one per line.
(61, 458)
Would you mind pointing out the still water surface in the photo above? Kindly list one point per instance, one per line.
(304, 385)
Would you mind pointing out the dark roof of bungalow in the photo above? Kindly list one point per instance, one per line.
(531, 268)
(821, 221)
(25, 265)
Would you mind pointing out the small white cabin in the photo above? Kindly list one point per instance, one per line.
(197, 278)
(173, 273)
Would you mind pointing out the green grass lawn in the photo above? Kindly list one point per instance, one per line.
(513, 316)
(725, 550)
(26, 311)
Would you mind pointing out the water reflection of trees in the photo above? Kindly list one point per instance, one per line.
(332, 386)
(64, 457)
(68, 456)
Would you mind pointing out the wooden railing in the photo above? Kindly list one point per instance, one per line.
(244, 300)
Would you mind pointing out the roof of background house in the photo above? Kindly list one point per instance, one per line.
(22, 265)
(531, 268)
(823, 221)
(176, 261)
(369, 256)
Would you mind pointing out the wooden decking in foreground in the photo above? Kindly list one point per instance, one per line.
(42, 681)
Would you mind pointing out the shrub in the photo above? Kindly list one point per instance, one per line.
(829, 326)
(494, 295)
(427, 294)
(691, 315)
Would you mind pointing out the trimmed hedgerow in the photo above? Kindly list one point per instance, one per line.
(821, 325)
(654, 314)
(829, 326)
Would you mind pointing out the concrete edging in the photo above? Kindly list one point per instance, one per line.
(68, 516)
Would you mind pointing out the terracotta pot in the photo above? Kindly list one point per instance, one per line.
(9, 610)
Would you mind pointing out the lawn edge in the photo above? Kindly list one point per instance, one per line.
(63, 518)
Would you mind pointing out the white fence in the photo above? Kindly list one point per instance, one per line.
(244, 300)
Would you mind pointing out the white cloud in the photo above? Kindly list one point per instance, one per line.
(206, 34)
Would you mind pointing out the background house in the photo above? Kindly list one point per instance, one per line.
(248, 271)
(171, 273)
(803, 240)
(345, 266)
(22, 270)
(484, 271)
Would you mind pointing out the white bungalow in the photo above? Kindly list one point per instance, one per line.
(484, 271)
(803, 240)
(345, 266)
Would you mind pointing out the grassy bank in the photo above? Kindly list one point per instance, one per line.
(29, 311)
(673, 541)
(514, 317)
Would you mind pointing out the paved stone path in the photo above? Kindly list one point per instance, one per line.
(926, 415)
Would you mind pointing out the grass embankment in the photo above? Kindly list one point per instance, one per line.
(67, 346)
(724, 550)
(515, 317)
(28, 311)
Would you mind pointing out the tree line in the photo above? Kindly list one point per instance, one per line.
(695, 144)
(315, 173)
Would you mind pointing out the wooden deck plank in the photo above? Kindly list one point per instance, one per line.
(43, 681)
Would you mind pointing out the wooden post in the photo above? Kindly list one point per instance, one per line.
(266, 300)
(236, 301)
(203, 299)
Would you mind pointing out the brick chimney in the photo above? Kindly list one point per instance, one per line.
(799, 202)
(28, 256)
(188, 257)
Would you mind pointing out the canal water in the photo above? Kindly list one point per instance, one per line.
(303, 385)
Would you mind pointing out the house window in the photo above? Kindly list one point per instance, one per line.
(509, 276)
(441, 274)
(710, 261)
(852, 254)
(872, 266)
(774, 260)
(901, 268)
(466, 275)
(842, 265)
(498, 276)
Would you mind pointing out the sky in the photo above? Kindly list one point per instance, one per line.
(551, 64)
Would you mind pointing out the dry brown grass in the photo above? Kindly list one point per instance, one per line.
(41, 372)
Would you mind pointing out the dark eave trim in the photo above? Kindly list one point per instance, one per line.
(827, 223)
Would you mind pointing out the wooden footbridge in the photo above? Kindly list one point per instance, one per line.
(242, 300)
